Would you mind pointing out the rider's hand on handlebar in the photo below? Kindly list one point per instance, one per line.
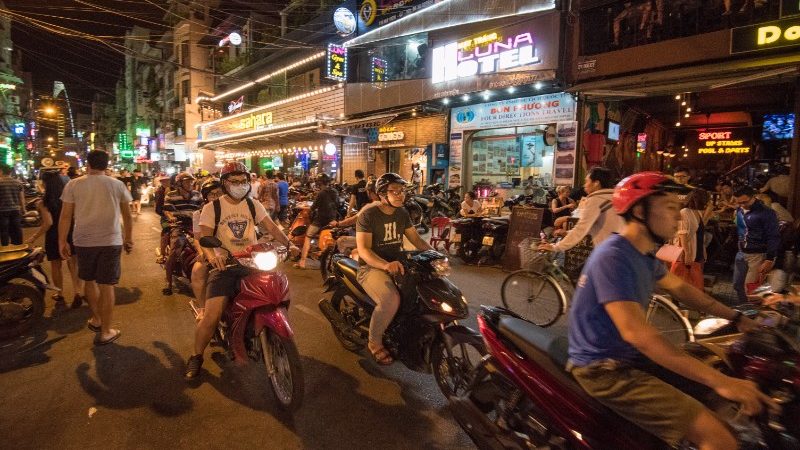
(394, 268)
(293, 250)
(746, 393)
(218, 262)
(546, 247)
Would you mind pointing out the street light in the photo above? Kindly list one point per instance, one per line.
(49, 138)
(49, 110)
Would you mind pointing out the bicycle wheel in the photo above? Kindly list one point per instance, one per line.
(668, 320)
(536, 297)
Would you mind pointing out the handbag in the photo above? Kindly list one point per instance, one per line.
(670, 253)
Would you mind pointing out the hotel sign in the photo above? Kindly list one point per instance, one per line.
(766, 36)
(483, 54)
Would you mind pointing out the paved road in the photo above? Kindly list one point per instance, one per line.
(59, 391)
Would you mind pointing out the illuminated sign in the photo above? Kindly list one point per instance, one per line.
(344, 21)
(143, 132)
(641, 142)
(488, 53)
(378, 71)
(330, 149)
(386, 134)
(255, 121)
(19, 129)
(234, 39)
(337, 62)
(236, 105)
(720, 142)
(766, 36)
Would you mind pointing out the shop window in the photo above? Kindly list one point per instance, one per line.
(186, 93)
(406, 58)
(625, 24)
(185, 54)
(511, 155)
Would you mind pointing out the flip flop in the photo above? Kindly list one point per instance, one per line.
(91, 327)
(382, 356)
(109, 340)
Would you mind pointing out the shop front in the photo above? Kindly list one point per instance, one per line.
(512, 143)
(401, 144)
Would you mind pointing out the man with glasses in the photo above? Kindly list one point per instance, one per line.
(232, 219)
(380, 229)
(759, 241)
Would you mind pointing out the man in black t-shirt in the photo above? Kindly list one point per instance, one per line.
(324, 210)
(358, 194)
(380, 229)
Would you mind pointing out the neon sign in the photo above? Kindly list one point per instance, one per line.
(485, 54)
(255, 121)
(720, 143)
(236, 105)
(337, 62)
(641, 142)
(765, 36)
(378, 71)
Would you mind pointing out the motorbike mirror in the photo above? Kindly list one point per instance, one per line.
(210, 242)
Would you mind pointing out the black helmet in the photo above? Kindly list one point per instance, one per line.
(322, 178)
(386, 179)
(208, 186)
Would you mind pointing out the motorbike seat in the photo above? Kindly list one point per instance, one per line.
(9, 257)
(349, 268)
(532, 339)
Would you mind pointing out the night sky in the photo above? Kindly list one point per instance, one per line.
(85, 66)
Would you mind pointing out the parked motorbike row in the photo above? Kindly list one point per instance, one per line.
(435, 201)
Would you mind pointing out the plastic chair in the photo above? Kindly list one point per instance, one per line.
(440, 232)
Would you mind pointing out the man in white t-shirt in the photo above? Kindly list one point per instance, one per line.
(96, 202)
(238, 216)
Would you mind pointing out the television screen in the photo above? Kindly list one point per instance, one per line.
(613, 131)
(778, 126)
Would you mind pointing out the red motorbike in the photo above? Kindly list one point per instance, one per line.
(254, 325)
(520, 396)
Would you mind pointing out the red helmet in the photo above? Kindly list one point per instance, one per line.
(632, 189)
(232, 168)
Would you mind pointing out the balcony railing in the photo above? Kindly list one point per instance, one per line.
(626, 24)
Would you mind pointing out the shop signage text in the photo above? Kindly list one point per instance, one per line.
(487, 53)
(389, 133)
(720, 143)
(641, 142)
(378, 72)
(337, 62)
(236, 105)
(766, 36)
(541, 109)
(255, 121)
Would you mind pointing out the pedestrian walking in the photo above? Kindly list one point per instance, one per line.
(283, 198)
(12, 207)
(135, 184)
(49, 208)
(759, 241)
(96, 202)
(268, 195)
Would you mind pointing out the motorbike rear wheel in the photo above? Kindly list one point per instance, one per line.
(326, 263)
(20, 307)
(287, 377)
(468, 251)
(453, 363)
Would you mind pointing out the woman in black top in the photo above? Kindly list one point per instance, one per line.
(49, 208)
(562, 207)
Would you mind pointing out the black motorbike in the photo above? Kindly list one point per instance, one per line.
(181, 256)
(24, 284)
(467, 237)
(417, 207)
(493, 243)
(424, 334)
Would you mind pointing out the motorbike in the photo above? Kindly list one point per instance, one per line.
(417, 207)
(254, 325)
(182, 256)
(520, 396)
(31, 218)
(467, 237)
(327, 247)
(299, 225)
(424, 334)
(24, 285)
(441, 203)
(493, 243)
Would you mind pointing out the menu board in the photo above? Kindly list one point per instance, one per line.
(525, 222)
(566, 139)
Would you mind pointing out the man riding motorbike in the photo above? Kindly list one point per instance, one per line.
(621, 360)
(233, 220)
(211, 190)
(323, 211)
(181, 201)
(380, 228)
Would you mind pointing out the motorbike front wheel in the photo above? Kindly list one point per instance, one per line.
(20, 307)
(454, 358)
(282, 362)
(468, 251)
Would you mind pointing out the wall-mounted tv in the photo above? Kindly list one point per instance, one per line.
(778, 126)
(613, 131)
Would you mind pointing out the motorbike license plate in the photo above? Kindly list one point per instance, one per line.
(456, 238)
(488, 240)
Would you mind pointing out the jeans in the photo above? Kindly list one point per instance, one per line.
(10, 227)
(745, 272)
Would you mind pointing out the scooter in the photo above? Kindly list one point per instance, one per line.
(254, 325)
(328, 246)
(467, 237)
(300, 223)
(182, 256)
(24, 284)
(521, 397)
(493, 243)
(31, 218)
(424, 334)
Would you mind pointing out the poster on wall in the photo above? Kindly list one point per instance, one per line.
(566, 143)
(532, 150)
(456, 143)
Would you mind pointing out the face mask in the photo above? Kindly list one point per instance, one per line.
(238, 192)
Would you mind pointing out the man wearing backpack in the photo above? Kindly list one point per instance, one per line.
(233, 219)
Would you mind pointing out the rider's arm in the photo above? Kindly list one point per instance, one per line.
(700, 301)
(350, 221)
(208, 252)
(589, 214)
(416, 240)
(364, 245)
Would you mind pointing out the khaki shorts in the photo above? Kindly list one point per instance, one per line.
(754, 261)
(654, 405)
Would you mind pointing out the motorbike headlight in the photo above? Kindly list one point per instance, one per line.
(441, 267)
(265, 260)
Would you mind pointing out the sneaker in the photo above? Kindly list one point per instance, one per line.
(193, 366)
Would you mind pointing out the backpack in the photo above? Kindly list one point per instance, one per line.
(218, 212)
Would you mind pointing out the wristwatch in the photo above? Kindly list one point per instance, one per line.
(737, 318)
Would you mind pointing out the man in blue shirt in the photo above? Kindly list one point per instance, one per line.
(625, 363)
(283, 197)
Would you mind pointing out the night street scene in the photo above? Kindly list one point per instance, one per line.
(400, 224)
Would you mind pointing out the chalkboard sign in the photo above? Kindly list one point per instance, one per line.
(525, 222)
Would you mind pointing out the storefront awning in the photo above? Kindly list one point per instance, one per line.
(373, 121)
(284, 136)
(451, 13)
(693, 79)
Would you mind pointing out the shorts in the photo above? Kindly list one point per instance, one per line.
(224, 283)
(51, 245)
(313, 230)
(99, 264)
(643, 398)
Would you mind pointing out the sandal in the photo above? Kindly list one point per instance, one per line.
(382, 356)
(95, 328)
(113, 338)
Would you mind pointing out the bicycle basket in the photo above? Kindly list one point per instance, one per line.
(576, 257)
(529, 257)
